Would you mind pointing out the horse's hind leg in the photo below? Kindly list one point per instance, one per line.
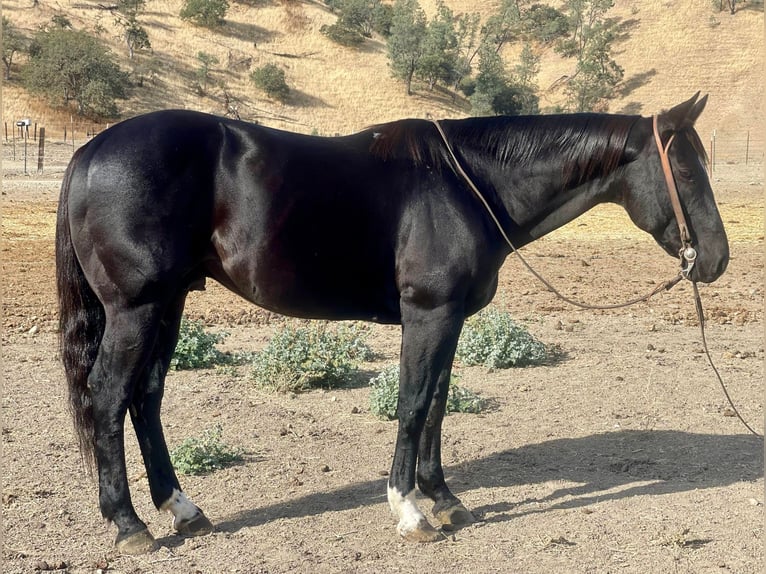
(166, 491)
(126, 346)
(448, 510)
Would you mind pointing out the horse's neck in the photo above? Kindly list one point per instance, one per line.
(533, 207)
(564, 208)
(535, 196)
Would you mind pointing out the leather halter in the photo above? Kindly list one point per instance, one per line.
(687, 253)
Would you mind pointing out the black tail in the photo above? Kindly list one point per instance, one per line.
(81, 323)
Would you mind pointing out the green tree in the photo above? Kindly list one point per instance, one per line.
(134, 34)
(405, 44)
(544, 23)
(342, 35)
(505, 25)
(358, 15)
(584, 17)
(69, 66)
(491, 79)
(271, 79)
(497, 91)
(206, 13)
(382, 18)
(466, 32)
(362, 16)
(592, 35)
(439, 60)
(523, 79)
(13, 43)
(207, 61)
(514, 100)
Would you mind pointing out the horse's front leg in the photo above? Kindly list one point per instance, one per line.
(429, 338)
(448, 510)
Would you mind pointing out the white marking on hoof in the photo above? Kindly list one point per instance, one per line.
(406, 510)
(180, 507)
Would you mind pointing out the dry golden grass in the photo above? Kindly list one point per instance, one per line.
(607, 222)
(670, 51)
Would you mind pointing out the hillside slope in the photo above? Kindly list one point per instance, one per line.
(669, 51)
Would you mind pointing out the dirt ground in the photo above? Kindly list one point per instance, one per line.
(619, 458)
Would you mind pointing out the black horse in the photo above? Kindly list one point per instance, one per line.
(380, 226)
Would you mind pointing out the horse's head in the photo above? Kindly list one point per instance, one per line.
(648, 201)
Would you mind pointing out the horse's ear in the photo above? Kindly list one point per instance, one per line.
(684, 115)
(696, 110)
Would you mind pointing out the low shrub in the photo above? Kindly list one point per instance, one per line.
(462, 400)
(299, 358)
(492, 339)
(271, 79)
(196, 347)
(204, 454)
(207, 13)
(384, 394)
(342, 35)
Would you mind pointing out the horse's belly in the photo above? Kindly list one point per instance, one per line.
(335, 290)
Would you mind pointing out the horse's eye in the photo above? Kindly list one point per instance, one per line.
(685, 173)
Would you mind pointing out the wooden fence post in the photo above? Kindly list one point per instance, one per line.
(41, 151)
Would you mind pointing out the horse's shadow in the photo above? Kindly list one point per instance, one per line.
(606, 466)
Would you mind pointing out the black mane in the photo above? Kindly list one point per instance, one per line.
(586, 145)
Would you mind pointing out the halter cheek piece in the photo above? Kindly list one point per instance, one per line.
(687, 253)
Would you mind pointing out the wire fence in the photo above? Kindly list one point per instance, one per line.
(72, 133)
(726, 149)
(24, 146)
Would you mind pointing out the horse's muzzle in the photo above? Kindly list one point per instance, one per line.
(710, 264)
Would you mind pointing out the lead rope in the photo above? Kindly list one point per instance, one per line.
(687, 253)
(701, 317)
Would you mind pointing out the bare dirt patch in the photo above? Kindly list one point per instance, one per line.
(620, 458)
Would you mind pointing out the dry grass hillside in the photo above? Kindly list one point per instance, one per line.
(669, 51)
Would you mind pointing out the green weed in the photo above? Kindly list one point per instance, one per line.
(492, 339)
(299, 358)
(196, 347)
(204, 454)
(384, 394)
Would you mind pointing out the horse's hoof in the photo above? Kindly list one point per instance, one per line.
(142, 542)
(454, 517)
(423, 532)
(197, 526)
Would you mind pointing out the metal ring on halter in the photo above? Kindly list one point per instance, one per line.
(688, 256)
